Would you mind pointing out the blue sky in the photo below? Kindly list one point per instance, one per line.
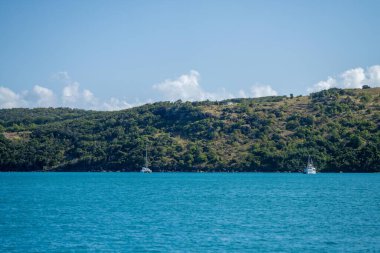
(115, 54)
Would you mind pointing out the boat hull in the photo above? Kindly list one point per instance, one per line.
(145, 170)
(310, 171)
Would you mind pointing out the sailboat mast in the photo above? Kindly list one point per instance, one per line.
(146, 156)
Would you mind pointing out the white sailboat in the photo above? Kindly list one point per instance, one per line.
(310, 169)
(145, 169)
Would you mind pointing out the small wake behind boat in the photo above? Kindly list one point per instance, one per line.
(310, 169)
(145, 169)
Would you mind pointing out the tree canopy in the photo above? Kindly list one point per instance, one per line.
(338, 128)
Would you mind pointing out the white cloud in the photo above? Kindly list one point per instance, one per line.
(74, 96)
(187, 88)
(114, 104)
(45, 96)
(10, 99)
(373, 75)
(70, 94)
(323, 85)
(352, 78)
(242, 94)
(262, 91)
(89, 97)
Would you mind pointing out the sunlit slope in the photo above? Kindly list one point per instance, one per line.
(338, 128)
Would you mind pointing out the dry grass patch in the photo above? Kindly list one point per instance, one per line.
(17, 136)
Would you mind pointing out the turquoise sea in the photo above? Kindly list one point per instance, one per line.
(189, 212)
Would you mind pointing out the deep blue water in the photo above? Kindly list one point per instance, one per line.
(188, 212)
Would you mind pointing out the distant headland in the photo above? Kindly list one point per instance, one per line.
(339, 128)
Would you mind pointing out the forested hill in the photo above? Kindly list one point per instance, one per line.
(338, 128)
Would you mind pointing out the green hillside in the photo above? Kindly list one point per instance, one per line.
(338, 128)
